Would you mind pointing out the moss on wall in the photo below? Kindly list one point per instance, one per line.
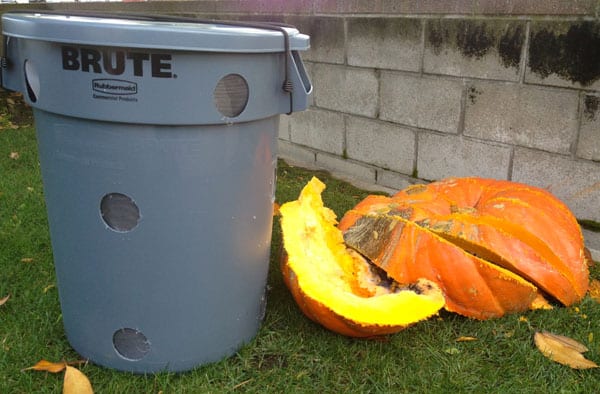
(569, 50)
(476, 38)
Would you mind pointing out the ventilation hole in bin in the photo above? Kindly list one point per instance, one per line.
(231, 95)
(131, 344)
(119, 212)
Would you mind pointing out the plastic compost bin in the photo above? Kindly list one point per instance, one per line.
(157, 142)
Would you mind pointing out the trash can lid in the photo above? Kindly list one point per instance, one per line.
(150, 33)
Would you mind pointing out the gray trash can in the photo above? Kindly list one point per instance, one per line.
(157, 142)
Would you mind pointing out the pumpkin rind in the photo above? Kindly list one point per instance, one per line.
(332, 286)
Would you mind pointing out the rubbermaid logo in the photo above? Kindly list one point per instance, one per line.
(114, 86)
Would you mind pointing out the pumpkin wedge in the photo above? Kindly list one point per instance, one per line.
(337, 287)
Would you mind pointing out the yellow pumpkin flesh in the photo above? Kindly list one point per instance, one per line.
(337, 287)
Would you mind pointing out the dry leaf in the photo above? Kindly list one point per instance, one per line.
(48, 366)
(14, 155)
(276, 209)
(563, 350)
(76, 382)
(27, 260)
(594, 290)
(465, 339)
(3, 300)
(53, 367)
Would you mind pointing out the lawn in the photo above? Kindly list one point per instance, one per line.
(290, 353)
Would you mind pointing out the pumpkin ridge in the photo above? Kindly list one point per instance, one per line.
(548, 239)
(559, 240)
(557, 280)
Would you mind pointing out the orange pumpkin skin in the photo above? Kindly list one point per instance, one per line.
(320, 314)
(519, 227)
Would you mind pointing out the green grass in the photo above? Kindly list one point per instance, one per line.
(290, 353)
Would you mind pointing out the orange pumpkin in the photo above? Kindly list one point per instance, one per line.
(492, 246)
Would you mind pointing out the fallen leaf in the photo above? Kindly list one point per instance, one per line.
(594, 290)
(27, 260)
(563, 350)
(275, 209)
(76, 382)
(14, 155)
(3, 300)
(48, 366)
(48, 288)
(465, 339)
(53, 367)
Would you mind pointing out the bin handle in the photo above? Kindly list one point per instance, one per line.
(287, 85)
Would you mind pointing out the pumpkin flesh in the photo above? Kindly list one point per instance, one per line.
(337, 287)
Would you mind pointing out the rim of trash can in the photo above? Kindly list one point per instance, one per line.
(152, 32)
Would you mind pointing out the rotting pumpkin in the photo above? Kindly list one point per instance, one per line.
(337, 287)
(492, 246)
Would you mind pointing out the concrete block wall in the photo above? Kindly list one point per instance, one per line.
(414, 90)
(408, 95)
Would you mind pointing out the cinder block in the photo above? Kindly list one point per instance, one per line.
(442, 156)
(430, 103)
(322, 130)
(381, 144)
(561, 54)
(346, 169)
(592, 242)
(546, 7)
(528, 116)
(474, 48)
(392, 43)
(350, 90)
(393, 180)
(284, 127)
(327, 40)
(588, 146)
(576, 182)
(296, 154)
